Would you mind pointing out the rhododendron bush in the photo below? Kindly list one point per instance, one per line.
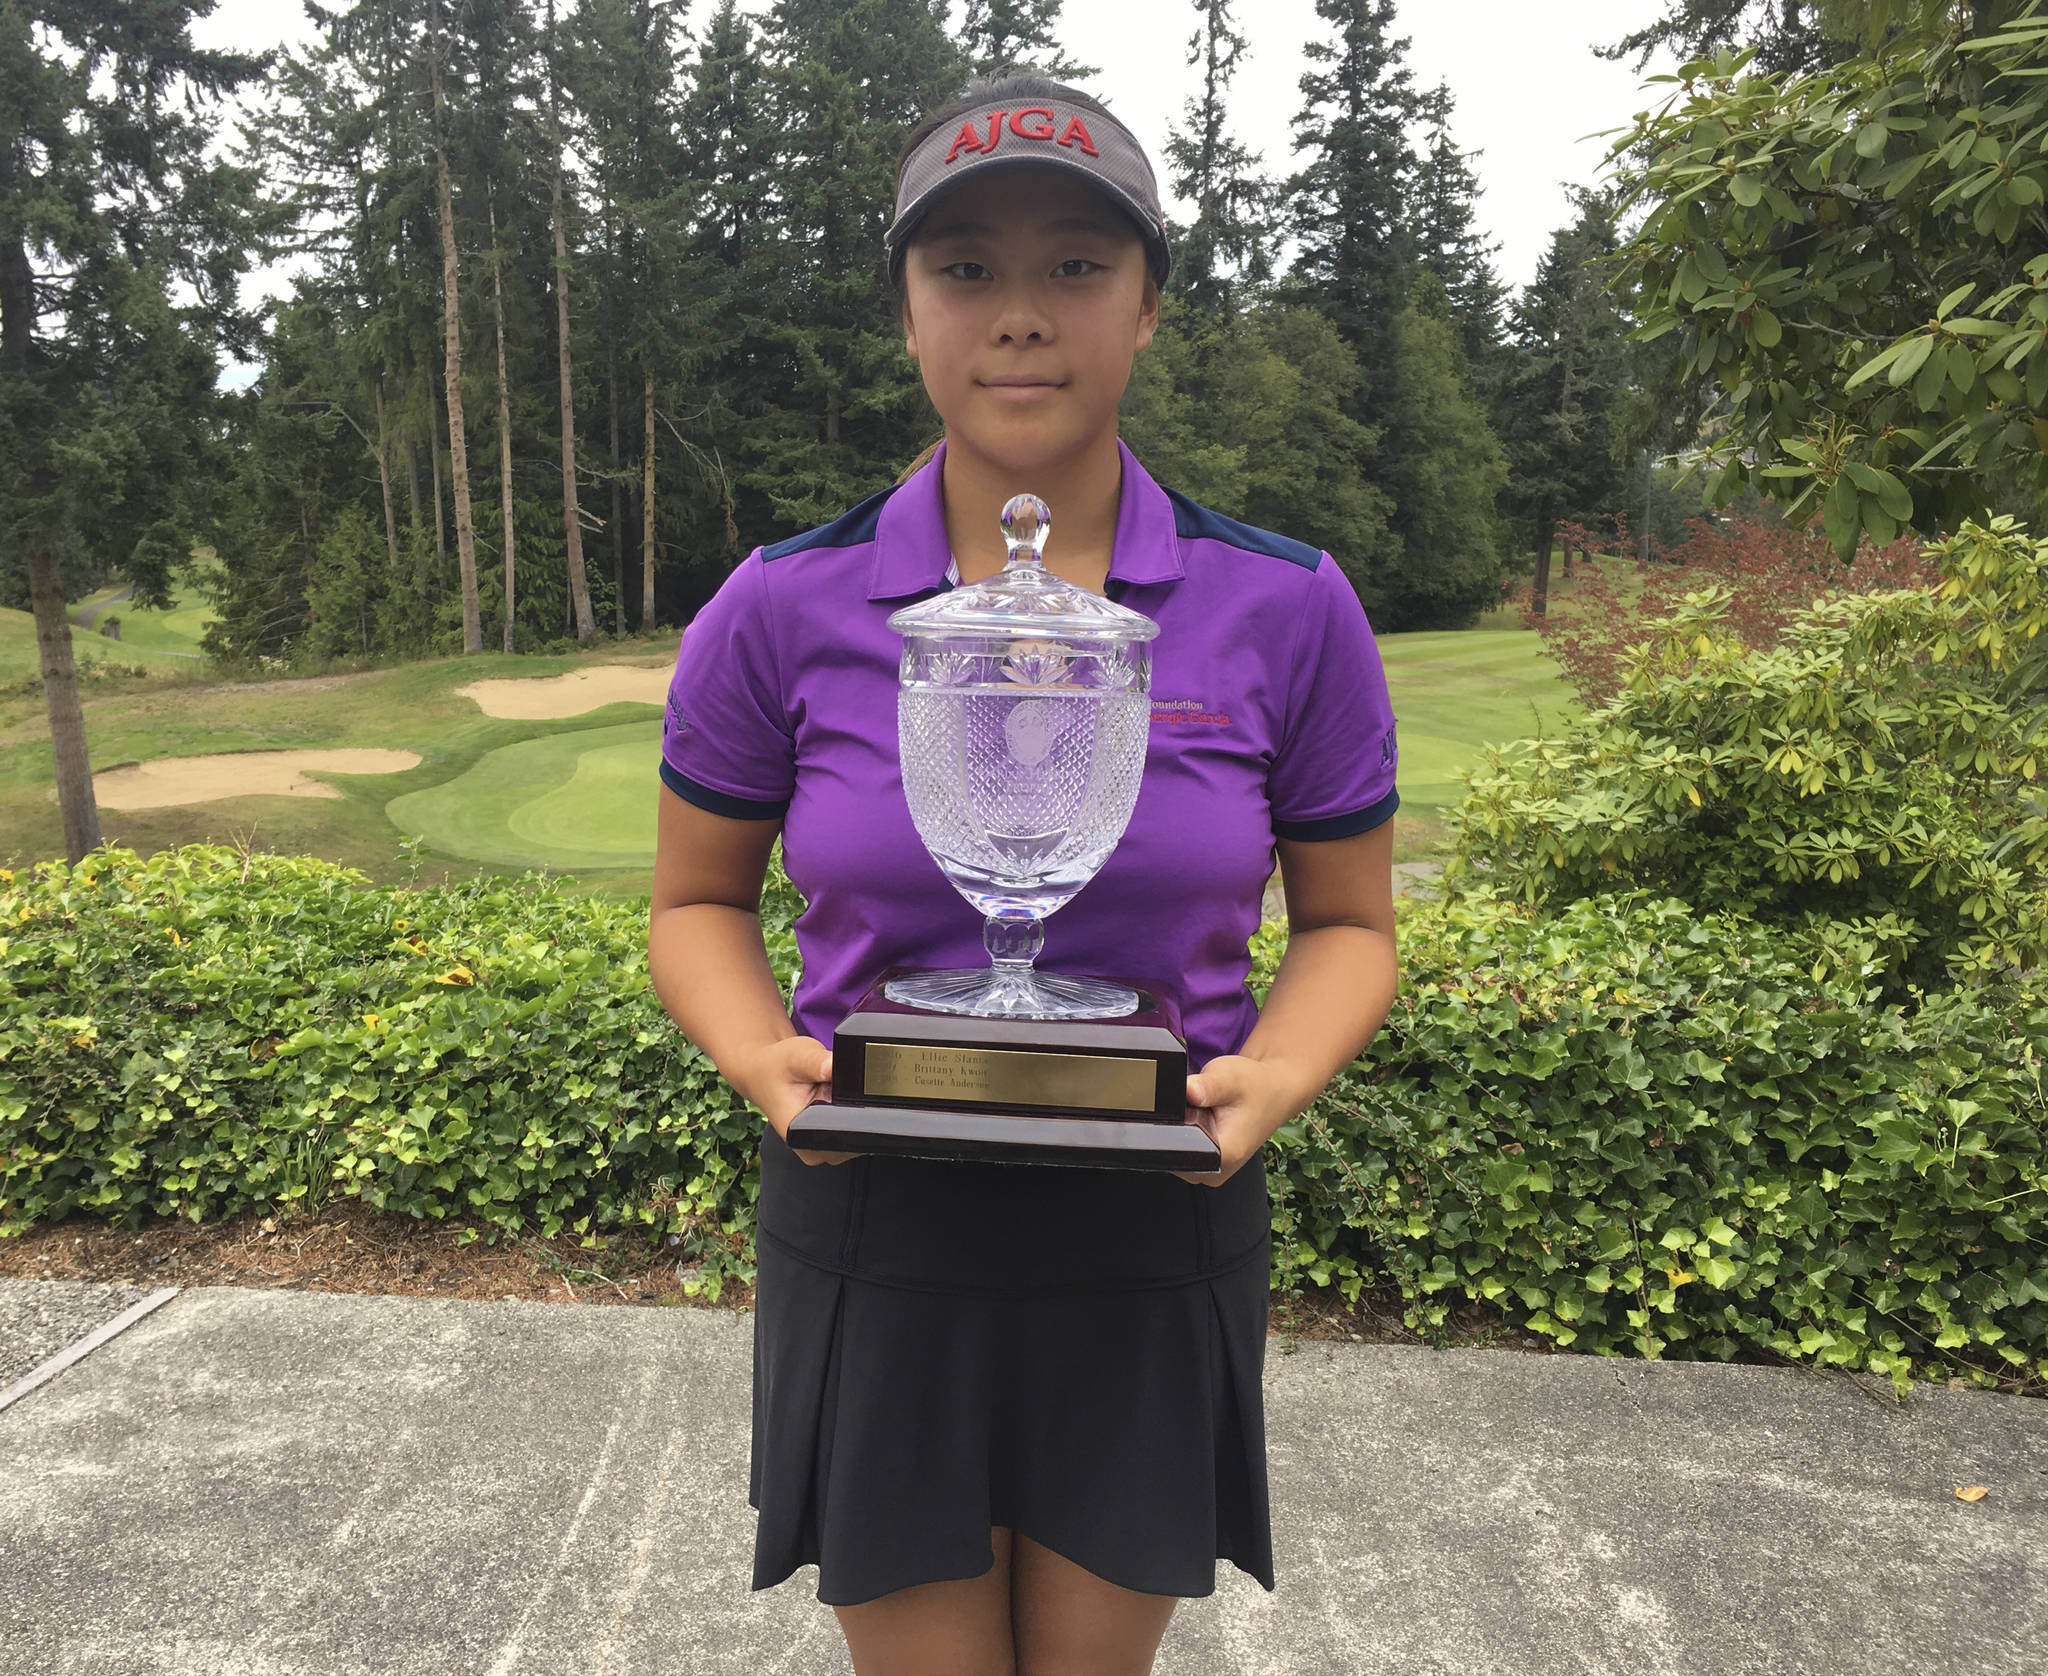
(1869, 777)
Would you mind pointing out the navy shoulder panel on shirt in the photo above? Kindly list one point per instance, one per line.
(1197, 523)
(849, 529)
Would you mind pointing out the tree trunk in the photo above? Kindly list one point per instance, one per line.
(504, 415)
(458, 451)
(1649, 487)
(572, 519)
(1546, 529)
(60, 697)
(434, 464)
(647, 511)
(412, 468)
(45, 580)
(384, 480)
(611, 384)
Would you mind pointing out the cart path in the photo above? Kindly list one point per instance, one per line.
(256, 1482)
(89, 614)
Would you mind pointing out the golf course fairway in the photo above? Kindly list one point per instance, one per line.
(583, 801)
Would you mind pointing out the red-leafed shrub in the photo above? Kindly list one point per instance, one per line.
(1772, 571)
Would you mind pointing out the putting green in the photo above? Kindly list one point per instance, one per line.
(575, 800)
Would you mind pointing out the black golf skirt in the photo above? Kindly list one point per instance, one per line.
(940, 1348)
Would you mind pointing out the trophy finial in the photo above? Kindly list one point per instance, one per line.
(1026, 522)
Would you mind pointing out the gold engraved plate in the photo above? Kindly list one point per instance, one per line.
(1083, 1082)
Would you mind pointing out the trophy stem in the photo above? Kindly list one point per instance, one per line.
(1013, 942)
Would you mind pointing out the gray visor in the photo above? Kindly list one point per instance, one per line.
(1048, 132)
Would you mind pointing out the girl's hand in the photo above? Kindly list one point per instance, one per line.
(1245, 1101)
(783, 1078)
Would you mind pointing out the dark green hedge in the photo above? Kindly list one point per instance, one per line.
(1638, 1129)
(1647, 1130)
(201, 1032)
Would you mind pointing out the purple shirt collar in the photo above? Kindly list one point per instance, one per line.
(911, 553)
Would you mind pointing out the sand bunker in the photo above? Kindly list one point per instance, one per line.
(174, 780)
(549, 698)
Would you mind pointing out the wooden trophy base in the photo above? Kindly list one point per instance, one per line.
(1100, 1093)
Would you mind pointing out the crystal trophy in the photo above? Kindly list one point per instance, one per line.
(1023, 712)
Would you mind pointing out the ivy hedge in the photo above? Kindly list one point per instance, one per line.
(204, 1031)
(1638, 1128)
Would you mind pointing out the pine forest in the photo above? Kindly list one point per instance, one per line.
(586, 304)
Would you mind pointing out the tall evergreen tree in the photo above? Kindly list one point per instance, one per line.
(1312, 475)
(1000, 35)
(1559, 403)
(438, 74)
(1354, 211)
(1348, 203)
(121, 243)
(849, 76)
(572, 519)
(1230, 244)
(502, 139)
(730, 147)
(1442, 468)
(650, 285)
(1448, 241)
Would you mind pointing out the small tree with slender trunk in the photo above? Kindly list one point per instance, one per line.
(504, 417)
(121, 241)
(458, 445)
(572, 517)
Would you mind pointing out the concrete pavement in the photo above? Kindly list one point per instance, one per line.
(255, 1483)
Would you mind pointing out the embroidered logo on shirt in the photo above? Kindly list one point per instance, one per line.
(678, 723)
(1187, 712)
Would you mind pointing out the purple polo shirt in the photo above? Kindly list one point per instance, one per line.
(1270, 718)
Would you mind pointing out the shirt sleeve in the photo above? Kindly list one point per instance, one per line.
(1333, 775)
(726, 743)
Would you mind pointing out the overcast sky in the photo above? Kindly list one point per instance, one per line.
(1527, 85)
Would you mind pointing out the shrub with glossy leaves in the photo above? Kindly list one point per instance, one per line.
(201, 1031)
(1865, 782)
(1637, 1128)
(1848, 270)
(1645, 1128)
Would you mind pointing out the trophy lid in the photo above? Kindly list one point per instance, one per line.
(1024, 598)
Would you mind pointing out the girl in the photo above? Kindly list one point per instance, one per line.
(1013, 1413)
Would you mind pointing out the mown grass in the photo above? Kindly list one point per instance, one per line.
(576, 801)
(154, 640)
(175, 631)
(1455, 693)
(576, 794)
(411, 707)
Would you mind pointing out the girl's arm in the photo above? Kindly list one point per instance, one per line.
(1333, 991)
(709, 963)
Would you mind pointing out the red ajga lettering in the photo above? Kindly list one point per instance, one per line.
(970, 139)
